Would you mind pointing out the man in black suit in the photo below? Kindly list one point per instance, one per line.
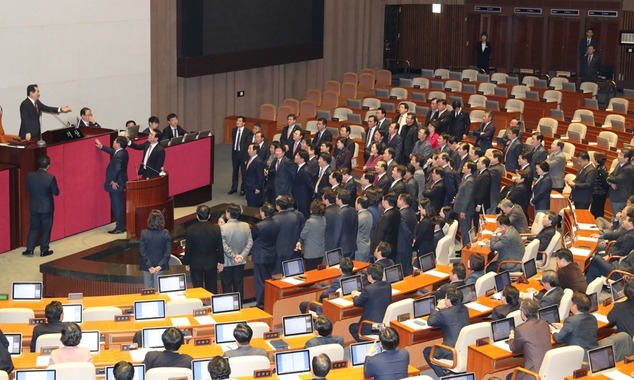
(53, 325)
(583, 184)
(451, 316)
(346, 224)
(372, 127)
(382, 255)
(590, 64)
(295, 144)
(31, 111)
(456, 280)
(382, 179)
(621, 180)
(568, 272)
(449, 175)
(406, 233)
(329, 197)
(254, 177)
(323, 134)
(387, 227)
(444, 117)
(284, 172)
(302, 184)
(153, 155)
(87, 119)
(290, 227)
(553, 293)
(6, 364)
(621, 313)
(349, 184)
(42, 186)
(116, 177)
(460, 122)
(240, 139)
(203, 251)
(538, 152)
(173, 129)
(580, 329)
(436, 191)
(512, 149)
(264, 150)
(398, 186)
(264, 250)
(394, 140)
(322, 175)
(172, 339)
(482, 189)
(381, 121)
(374, 298)
(286, 136)
(391, 363)
(549, 222)
(485, 132)
(432, 114)
(588, 40)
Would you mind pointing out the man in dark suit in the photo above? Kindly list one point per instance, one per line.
(391, 363)
(86, 119)
(449, 175)
(264, 250)
(583, 184)
(349, 184)
(372, 127)
(53, 325)
(409, 135)
(382, 179)
(240, 139)
(485, 132)
(42, 186)
(290, 227)
(460, 122)
(387, 227)
(374, 299)
(323, 326)
(381, 121)
(323, 134)
(432, 114)
(456, 280)
(621, 180)
(540, 198)
(398, 186)
(203, 251)
(451, 316)
(589, 65)
(549, 221)
(6, 364)
(406, 233)
(532, 338)
(482, 189)
(538, 153)
(264, 149)
(173, 129)
(172, 339)
(346, 224)
(444, 117)
(464, 205)
(286, 137)
(580, 329)
(588, 40)
(284, 172)
(322, 176)
(31, 111)
(302, 184)
(153, 155)
(498, 171)
(116, 177)
(394, 140)
(621, 313)
(382, 255)
(569, 274)
(512, 149)
(329, 197)
(436, 191)
(254, 177)
(553, 293)
(295, 144)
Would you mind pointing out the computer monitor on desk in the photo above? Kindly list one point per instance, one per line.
(225, 303)
(26, 291)
(224, 332)
(173, 283)
(35, 374)
(73, 313)
(297, 325)
(153, 309)
(292, 362)
(333, 257)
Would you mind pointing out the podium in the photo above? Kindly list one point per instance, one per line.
(142, 196)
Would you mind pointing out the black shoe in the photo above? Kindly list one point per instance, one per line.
(242, 193)
(231, 192)
(28, 253)
(116, 231)
(46, 253)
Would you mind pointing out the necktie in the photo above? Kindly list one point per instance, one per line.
(289, 132)
(508, 145)
(147, 155)
(589, 59)
(370, 134)
(36, 107)
(277, 166)
(321, 173)
(249, 162)
(237, 147)
(175, 132)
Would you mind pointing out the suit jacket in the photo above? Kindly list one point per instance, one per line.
(41, 185)
(580, 330)
(155, 249)
(284, 176)
(313, 168)
(621, 315)
(431, 115)
(346, 226)
(450, 320)
(571, 277)
(383, 183)
(551, 298)
(622, 247)
(450, 182)
(436, 194)
(264, 152)
(584, 185)
(484, 135)
(388, 365)
(424, 238)
(557, 162)
(497, 173)
(482, 190)
(343, 158)
(312, 236)
(168, 134)
(384, 262)
(264, 234)
(89, 124)
(325, 136)
(441, 292)
(156, 160)
(204, 246)
(459, 124)
(520, 194)
(511, 154)
(284, 139)
(465, 197)
(583, 47)
(533, 339)
(590, 70)
(509, 247)
(411, 187)
(538, 154)
(518, 219)
(117, 169)
(364, 232)
(154, 359)
(387, 230)
(406, 235)
(395, 142)
(236, 240)
(6, 364)
(30, 117)
(245, 351)
(541, 193)
(290, 228)
(444, 121)
(623, 178)
(254, 180)
(397, 186)
(545, 236)
(331, 214)
(46, 328)
(501, 311)
(351, 187)
(483, 57)
(321, 340)
(374, 299)
(245, 140)
(303, 187)
(383, 125)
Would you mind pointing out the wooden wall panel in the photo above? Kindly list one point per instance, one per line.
(626, 60)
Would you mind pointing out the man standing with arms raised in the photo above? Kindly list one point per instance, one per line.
(31, 111)
(116, 177)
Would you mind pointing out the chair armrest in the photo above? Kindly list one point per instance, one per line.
(313, 306)
(454, 356)
(526, 371)
(508, 262)
(610, 258)
(365, 337)
(623, 273)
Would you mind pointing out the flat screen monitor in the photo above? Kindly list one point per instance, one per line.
(529, 268)
(151, 337)
(73, 313)
(472, 235)
(424, 306)
(199, 369)
(297, 324)
(394, 273)
(533, 95)
(501, 329)
(333, 257)
(225, 303)
(15, 343)
(461, 376)
(90, 340)
(224, 332)
(427, 262)
(502, 280)
(358, 351)
(139, 372)
(618, 289)
(152, 309)
(550, 314)
(26, 291)
(601, 359)
(293, 267)
(351, 283)
(35, 374)
(594, 302)
(468, 293)
(290, 362)
(132, 132)
(172, 283)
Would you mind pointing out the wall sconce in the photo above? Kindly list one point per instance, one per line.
(435, 8)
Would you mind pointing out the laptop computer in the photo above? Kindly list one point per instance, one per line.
(358, 352)
(601, 359)
(382, 92)
(427, 73)
(26, 291)
(457, 75)
(529, 268)
(35, 374)
(199, 369)
(132, 132)
(460, 376)
(173, 284)
(151, 337)
(297, 325)
(513, 81)
(500, 330)
(349, 284)
(73, 313)
(483, 78)
(176, 140)
(549, 314)
(90, 340)
(427, 262)
(139, 372)
(502, 280)
(293, 268)
(618, 289)
(15, 343)
(333, 257)
(223, 332)
(591, 104)
(225, 303)
(594, 302)
(422, 308)
(292, 362)
(394, 273)
(468, 293)
(152, 309)
(389, 107)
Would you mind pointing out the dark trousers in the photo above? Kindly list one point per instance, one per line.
(40, 221)
(598, 267)
(233, 280)
(117, 203)
(354, 331)
(253, 199)
(582, 205)
(261, 273)
(405, 259)
(237, 167)
(438, 370)
(207, 279)
(598, 205)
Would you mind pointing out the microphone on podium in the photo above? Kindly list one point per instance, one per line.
(160, 173)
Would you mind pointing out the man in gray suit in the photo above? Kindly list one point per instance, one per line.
(464, 204)
(516, 215)
(621, 180)
(237, 243)
(531, 338)
(553, 294)
(498, 171)
(243, 334)
(506, 241)
(364, 230)
(580, 328)
(583, 185)
(557, 162)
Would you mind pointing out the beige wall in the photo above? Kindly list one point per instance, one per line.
(353, 33)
